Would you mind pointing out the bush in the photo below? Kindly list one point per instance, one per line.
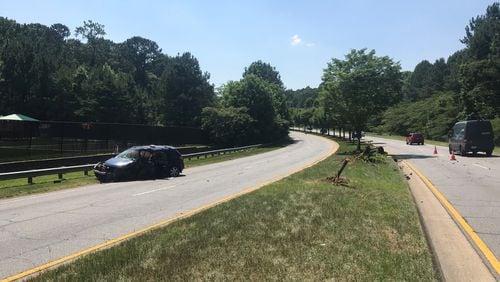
(496, 130)
(228, 126)
(433, 117)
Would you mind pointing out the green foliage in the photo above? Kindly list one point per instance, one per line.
(359, 87)
(482, 36)
(302, 117)
(480, 74)
(47, 75)
(301, 98)
(269, 74)
(228, 125)
(186, 91)
(481, 88)
(260, 98)
(433, 117)
(495, 123)
(251, 110)
(265, 71)
(103, 95)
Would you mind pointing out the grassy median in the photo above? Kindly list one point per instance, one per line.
(300, 228)
(48, 183)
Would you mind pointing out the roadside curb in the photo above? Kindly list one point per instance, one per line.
(456, 258)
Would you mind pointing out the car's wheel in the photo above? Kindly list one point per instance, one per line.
(422, 143)
(101, 179)
(488, 153)
(174, 171)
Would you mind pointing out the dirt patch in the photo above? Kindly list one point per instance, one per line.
(342, 181)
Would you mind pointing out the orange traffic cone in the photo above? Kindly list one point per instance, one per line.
(435, 150)
(452, 157)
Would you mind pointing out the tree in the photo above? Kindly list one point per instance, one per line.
(482, 35)
(90, 30)
(93, 32)
(420, 82)
(103, 95)
(269, 74)
(228, 125)
(141, 52)
(361, 86)
(479, 75)
(61, 30)
(481, 89)
(301, 98)
(265, 71)
(256, 95)
(185, 91)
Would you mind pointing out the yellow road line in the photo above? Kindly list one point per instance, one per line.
(333, 148)
(488, 254)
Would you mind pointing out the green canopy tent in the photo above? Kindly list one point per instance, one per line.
(19, 126)
(17, 117)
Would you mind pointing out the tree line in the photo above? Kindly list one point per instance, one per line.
(367, 92)
(47, 74)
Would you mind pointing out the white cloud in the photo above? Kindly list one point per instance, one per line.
(295, 40)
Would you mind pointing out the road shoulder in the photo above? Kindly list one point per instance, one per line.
(455, 257)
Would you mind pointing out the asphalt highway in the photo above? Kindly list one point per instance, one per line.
(36, 230)
(471, 184)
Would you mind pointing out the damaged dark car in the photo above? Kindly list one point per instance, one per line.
(141, 162)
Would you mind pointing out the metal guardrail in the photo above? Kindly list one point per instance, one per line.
(87, 167)
(218, 152)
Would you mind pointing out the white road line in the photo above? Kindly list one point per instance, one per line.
(481, 166)
(155, 190)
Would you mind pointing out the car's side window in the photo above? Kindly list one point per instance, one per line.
(160, 157)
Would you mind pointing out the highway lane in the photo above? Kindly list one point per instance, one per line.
(470, 184)
(35, 230)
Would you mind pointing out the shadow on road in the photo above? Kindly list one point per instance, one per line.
(411, 156)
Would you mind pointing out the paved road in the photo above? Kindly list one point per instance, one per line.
(38, 229)
(471, 184)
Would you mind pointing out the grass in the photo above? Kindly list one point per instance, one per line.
(20, 187)
(300, 228)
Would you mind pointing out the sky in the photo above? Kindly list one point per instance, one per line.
(297, 37)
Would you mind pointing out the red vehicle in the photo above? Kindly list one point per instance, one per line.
(413, 138)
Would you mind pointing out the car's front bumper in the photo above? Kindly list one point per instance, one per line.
(104, 175)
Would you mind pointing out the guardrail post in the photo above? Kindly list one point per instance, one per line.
(86, 172)
(60, 175)
(30, 180)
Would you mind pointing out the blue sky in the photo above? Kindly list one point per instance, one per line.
(297, 37)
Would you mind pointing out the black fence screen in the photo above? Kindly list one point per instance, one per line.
(86, 137)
